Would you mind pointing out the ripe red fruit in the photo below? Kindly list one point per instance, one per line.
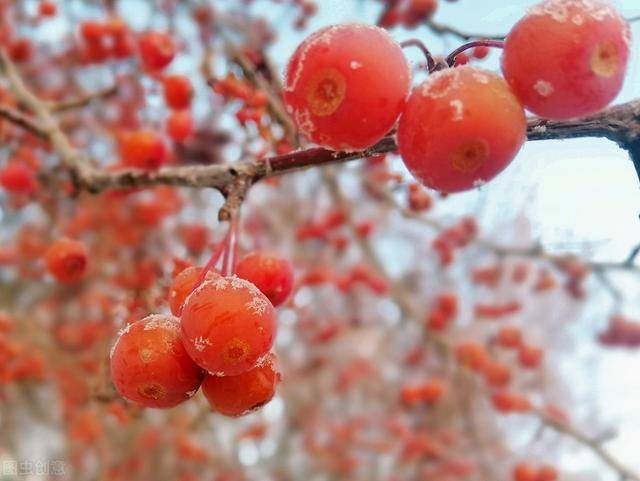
(144, 149)
(271, 274)
(345, 86)
(460, 128)
(47, 8)
(180, 125)
(157, 50)
(509, 337)
(150, 366)
(567, 58)
(242, 394)
(183, 285)
(66, 260)
(18, 178)
(530, 356)
(472, 355)
(228, 325)
(547, 473)
(177, 91)
(524, 472)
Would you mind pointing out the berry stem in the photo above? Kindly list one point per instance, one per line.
(234, 244)
(219, 249)
(451, 58)
(230, 253)
(414, 42)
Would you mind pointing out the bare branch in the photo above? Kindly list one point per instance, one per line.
(83, 100)
(592, 444)
(22, 120)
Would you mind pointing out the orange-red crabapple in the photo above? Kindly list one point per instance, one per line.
(244, 393)
(180, 125)
(183, 284)
(227, 325)
(18, 178)
(144, 149)
(346, 85)
(177, 90)
(460, 129)
(272, 274)
(150, 366)
(567, 58)
(66, 260)
(156, 49)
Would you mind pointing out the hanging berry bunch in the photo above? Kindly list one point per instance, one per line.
(222, 337)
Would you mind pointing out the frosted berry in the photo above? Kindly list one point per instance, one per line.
(345, 86)
(242, 394)
(460, 128)
(567, 58)
(66, 260)
(271, 274)
(183, 285)
(150, 366)
(228, 325)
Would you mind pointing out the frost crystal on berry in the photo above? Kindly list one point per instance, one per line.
(258, 305)
(200, 343)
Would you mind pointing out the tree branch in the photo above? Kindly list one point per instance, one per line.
(82, 100)
(594, 445)
(22, 120)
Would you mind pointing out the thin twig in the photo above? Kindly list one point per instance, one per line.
(594, 445)
(83, 100)
(22, 120)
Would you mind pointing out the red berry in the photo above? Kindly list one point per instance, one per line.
(346, 85)
(18, 178)
(530, 356)
(271, 274)
(144, 149)
(177, 91)
(567, 58)
(547, 473)
(524, 472)
(183, 285)
(47, 8)
(180, 125)
(157, 50)
(472, 355)
(509, 337)
(228, 325)
(66, 260)
(460, 128)
(480, 52)
(92, 31)
(242, 394)
(150, 366)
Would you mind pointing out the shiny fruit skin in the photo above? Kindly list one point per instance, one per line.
(227, 326)
(271, 274)
(150, 366)
(567, 58)
(183, 284)
(345, 86)
(239, 395)
(460, 129)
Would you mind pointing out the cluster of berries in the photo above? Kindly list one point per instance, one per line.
(346, 86)
(219, 335)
